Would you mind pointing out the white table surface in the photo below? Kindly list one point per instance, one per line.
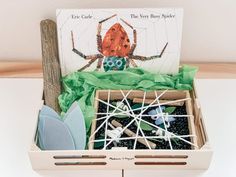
(20, 100)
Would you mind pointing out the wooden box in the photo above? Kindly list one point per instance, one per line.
(196, 158)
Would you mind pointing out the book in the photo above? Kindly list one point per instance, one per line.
(116, 39)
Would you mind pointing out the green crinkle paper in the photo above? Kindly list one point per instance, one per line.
(81, 86)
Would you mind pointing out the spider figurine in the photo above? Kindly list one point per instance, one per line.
(115, 51)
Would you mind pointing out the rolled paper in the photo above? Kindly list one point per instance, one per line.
(149, 101)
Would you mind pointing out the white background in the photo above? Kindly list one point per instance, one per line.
(209, 31)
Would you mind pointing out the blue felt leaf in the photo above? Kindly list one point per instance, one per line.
(74, 119)
(54, 134)
(156, 111)
(40, 132)
(170, 119)
(159, 120)
(47, 111)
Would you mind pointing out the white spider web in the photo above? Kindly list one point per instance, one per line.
(137, 118)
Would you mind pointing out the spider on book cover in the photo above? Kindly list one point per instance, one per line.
(115, 50)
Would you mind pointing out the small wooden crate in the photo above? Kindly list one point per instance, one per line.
(196, 158)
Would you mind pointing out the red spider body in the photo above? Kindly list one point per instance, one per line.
(116, 42)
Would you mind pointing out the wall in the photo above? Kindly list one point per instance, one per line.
(209, 31)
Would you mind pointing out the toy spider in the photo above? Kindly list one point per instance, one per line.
(115, 52)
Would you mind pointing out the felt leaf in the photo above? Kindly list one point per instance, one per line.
(145, 126)
(74, 119)
(99, 144)
(176, 141)
(156, 111)
(170, 110)
(56, 133)
(162, 126)
(137, 105)
(159, 120)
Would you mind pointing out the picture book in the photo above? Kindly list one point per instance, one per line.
(117, 39)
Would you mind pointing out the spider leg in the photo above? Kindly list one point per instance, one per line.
(133, 46)
(143, 58)
(87, 65)
(99, 37)
(132, 62)
(87, 57)
(107, 18)
(99, 65)
(127, 62)
(74, 49)
(99, 28)
(93, 58)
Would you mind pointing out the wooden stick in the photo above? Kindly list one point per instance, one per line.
(51, 65)
(132, 134)
(149, 101)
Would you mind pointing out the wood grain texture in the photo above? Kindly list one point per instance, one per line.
(215, 70)
(21, 69)
(51, 64)
(33, 69)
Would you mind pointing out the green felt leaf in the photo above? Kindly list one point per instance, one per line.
(170, 110)
(113, 103)
(137, 105)
(98, 144)
(162, 126)
(145, 126)
(176, 141)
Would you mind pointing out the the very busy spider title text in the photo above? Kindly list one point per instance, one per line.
(133, 16)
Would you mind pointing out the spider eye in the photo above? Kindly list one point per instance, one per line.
(110, 63)
(119, 63)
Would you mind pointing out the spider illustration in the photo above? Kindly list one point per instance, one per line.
(115, 50)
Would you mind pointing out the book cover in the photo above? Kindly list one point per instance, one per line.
(115, 39)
